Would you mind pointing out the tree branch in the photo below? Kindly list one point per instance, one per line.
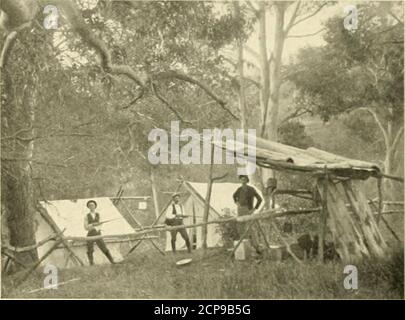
(5, 52)
(48, 136)
(398, 137)
(396, 17)
(309, 16)
(293, 17)
(80, 27)
(379, 123)
(252, 7)
(138, 97)
(165, 102)
(252, 51)
(219, 178)
(179, 76)
(297, 113)
(306, 35)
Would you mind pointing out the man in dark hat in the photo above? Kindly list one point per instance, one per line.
(244, 198)
(91, 224)
(174, 217)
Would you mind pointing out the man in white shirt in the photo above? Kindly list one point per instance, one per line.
(174, 217)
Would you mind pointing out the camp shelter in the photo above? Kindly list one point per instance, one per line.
(221, 204)
(68, 215)
(339, 192)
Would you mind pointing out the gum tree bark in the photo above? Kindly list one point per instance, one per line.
(19, 97)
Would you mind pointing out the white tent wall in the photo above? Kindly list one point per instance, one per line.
(221, 200)
(195, 209)
(70, 215)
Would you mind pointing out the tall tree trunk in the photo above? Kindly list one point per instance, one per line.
(255, 178)
(241, 77)
(275, 72)
(390, 163)
(271, 123)
(17, 151)
(264, 93)
(154, 192)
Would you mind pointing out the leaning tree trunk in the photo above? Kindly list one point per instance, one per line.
(19, 93)
(393, 137)
(275, 73)
(240, 72)
(154, 192)
(204, 230)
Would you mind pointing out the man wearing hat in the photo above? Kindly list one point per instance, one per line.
(174, 217)
(91, 224)
(244, 198)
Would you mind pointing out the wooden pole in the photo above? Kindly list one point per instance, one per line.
(386, 223)
(32, 269)
(141, 226)
(34, 246)
(287, 245)
(133, 247)
(323, 217)
(268, 214)
(207, 200)
(151, 228)
(56, 229)
(263, 234)
(241, 238)
(388, 176)
(154, 192)
(380, 199)
(14, 259)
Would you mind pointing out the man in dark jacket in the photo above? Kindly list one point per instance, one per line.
(244, 198)
(91, 224)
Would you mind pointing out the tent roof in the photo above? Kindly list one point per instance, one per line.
(279, 156)
(70, 214)
(221, 194)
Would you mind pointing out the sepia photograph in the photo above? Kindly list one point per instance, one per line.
(198, 150)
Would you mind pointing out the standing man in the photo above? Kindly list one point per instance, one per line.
(244, 197)
(92, 225)
(174, 217)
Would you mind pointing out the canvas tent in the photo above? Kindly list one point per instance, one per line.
(221, 204)
(69, 215)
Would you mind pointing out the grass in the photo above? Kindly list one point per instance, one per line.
(149, 275)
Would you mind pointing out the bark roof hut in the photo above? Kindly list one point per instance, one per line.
(339, 191)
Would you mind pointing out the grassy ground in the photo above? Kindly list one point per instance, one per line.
(149, 275)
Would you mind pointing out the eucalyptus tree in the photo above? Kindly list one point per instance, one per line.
(358, 72)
